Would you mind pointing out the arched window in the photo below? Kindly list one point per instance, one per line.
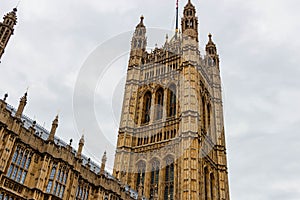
(141, 168)
(57, 181)
(146, 108)
(191, 23)
(159, 101)
(208, 116)
(154, 178)
(172, 101)
(5, 36)
(212, 186)
(169, 179)
(82, 192)
(51, 178)
(206, 183)
(203, 115)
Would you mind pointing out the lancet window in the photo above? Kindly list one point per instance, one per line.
(146, 108)
(20, 163)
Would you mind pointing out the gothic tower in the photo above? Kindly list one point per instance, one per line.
(171, 140)
(7, 29)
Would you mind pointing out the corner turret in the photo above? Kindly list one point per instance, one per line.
(80, 147)
(53, 129)
(22, 104)
(189, 22)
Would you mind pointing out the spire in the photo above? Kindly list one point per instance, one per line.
(103, 163)
(138, 44)
(141, 24)
(211, 47)
(53, 129)
(139, 36)
(22, 104)
(80, 147)
(140, 191)
(7, 29)
(189, 22)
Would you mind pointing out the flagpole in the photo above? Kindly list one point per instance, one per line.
(176, 17)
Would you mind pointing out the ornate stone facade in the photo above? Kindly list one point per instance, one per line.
(171, 140)
(34, 164)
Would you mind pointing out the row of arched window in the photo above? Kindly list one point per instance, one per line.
(82, 192)
(161, 70)
(5, 196)
(166, 135)
(159, 104)
(167, 182)
(20, 163)
(189, 13)
(57, 181)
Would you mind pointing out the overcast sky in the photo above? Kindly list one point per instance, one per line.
(258, 43)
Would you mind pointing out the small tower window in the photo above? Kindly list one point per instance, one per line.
(5, 36)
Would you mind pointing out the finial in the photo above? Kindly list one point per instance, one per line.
(80, 146)
(142, 18)
(210, 36)
(104, 158)
(53, 129)
(167, 37)
(81, 141)
(33, 124)
(22, 104)
(5, 97)
(71, 140)
(55, 121)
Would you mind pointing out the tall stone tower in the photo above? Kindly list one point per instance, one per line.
(171, 140)
(7, 29)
